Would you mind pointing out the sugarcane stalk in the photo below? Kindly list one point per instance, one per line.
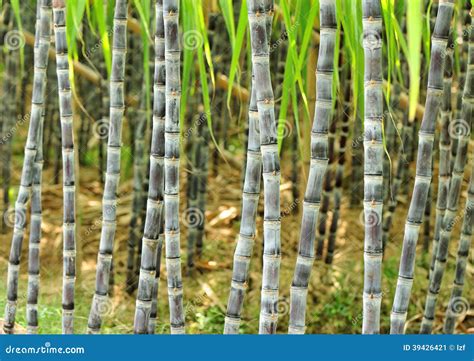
(112, 175)
(192, 212)
(457, 304)
(171, 165)
(203, 169)
(67, 142)
(34, 240)
(318, 166)
(247, 233)
(157, 154)
(35, 227)
(464, 50)
(454, 192)
(138, 180)
(37, 104)
(373, 165)
(444, 167)
(423, 167)
(260, 18)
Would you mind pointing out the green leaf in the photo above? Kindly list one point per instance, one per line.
(237, 48)
(101, 19)
(228, 15)
(414, 35)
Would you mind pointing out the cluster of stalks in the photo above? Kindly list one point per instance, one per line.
(388, 144)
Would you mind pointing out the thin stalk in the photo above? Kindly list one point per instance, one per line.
(171, 165)
(35, 227)
(457, 305)
(67, 142)
(137, 206)
(423, 167)
(444, 172)
(260, 18)
(37, 105)
(157, 154)
(247, 233)
(373, 165)
(464, 50)
(192, 213)
(318, 166)
(203, 169)
(112, 175)
(34, 241)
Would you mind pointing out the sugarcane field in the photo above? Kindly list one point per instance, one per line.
(236, 167)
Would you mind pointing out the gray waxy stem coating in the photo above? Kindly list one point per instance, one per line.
(145, 312)
(37, 108)
(171, 165)
(423, 167)
(444, 172)
(112, 175)
(457, 304)
(197, 185)
(35, 226)
(318, 166)
(260, 19)
(67, 143)
(202, 174)
(247, 233)
(373, 165)
(449, 221)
